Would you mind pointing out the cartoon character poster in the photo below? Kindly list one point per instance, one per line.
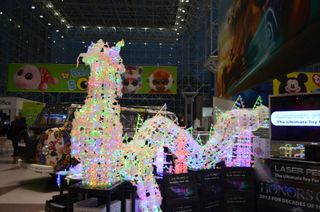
(260, 39)
(47, 78)
(69, 78)
(297, 82)
(150, 80)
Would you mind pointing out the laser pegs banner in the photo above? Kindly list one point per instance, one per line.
(262, 39)
(71, 79)
(291, 186)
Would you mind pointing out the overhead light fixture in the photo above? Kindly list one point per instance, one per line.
(56, 13)
(41, 16)
(54, 41)
(49, 24)
(99, 27)
(57, 30)
(129, 42)
(68, 26)
(183, 11)
(160, 29)
(1, 12)
(49, 37)
(178, 33)
(114, 28)
(62, 36)
(178, 16)
(160, 44)
(49, 5)
(145, 29)
(177, 39)
(187, 1)
(83, 42)
(63, 20)
(18, 26)
(33, 7)
(84, 27)
(145, 43)
(175, 29)
(130, 28)
(10, 19)
(180, 27)
(182, 19)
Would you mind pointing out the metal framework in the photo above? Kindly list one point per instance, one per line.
(157, 32)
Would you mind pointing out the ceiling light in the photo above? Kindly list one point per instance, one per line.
(83, 42)
(160, 44)
(177, 23)
(178, 33)
(49, 5)
(178, 16)
(54, 41)
(62, 36)
(84, 27)
(183, 11)
(182, 19)
(145, 29)
(99, 27)
(145, 43)
(180, 27)
(33, 7)
(177, 39)
(63, 20)
(68, 26)
(41, 16)
(10, 19)
(175, 29)
(130, 28)
(1, 12)
(56, 13)
(49, 37)
(18, 26)
(57, 30)
(160, 29)
(114, 28)
(49, 24)
(129, 42)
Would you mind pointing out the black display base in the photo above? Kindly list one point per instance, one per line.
(312, 153)
(105, 193)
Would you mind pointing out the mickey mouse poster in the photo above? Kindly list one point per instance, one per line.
(293, 84)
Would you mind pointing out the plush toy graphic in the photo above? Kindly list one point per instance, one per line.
(293, 84)
(30, 77)
(131, 80)
(160, 82)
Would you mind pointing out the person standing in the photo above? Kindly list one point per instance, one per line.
(18, 125)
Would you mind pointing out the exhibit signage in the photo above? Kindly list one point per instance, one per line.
(296, 118)
(292, 186)
(72, 79)
(297, 82)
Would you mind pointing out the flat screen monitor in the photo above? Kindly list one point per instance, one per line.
(295, 118)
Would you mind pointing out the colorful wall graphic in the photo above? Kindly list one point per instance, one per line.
(69, 78)
(260, 39)
(297, 82)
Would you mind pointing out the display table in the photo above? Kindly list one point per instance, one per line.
(106, 193)
(288, 185)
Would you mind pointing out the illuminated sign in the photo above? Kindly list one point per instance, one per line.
(296, 118)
